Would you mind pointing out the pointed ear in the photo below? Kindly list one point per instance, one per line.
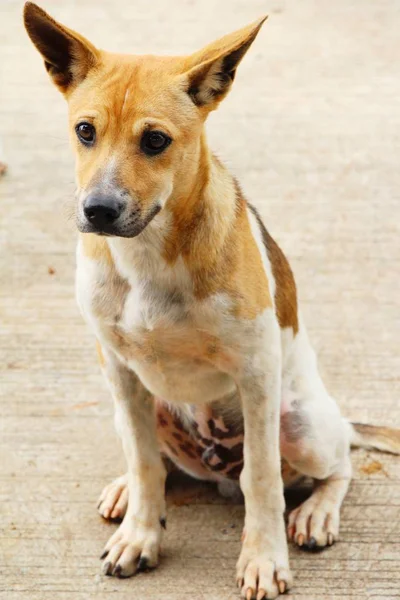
(68, 57)
(212, 69)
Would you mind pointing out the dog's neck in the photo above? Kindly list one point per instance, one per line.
(192, 227)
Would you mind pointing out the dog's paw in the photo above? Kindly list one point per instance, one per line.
(261, 573)
(314, 524)
(113, 500)
(132, 548)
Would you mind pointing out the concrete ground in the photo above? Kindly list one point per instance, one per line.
(312, 131)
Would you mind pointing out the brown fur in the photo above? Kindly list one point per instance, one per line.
(196, 344)
(217, 244)
(286, 293)
(96, 248)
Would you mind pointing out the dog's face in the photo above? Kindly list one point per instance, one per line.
(136, 122)
(135, 132)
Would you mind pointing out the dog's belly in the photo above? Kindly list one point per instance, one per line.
(207, 441)
(199, 417)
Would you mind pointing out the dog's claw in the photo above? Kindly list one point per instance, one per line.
(249, 593)
(143, 563)
(104, 554)
(107, 569)
(312, 544)
(117, 571)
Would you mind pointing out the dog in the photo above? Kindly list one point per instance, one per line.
(194, 308)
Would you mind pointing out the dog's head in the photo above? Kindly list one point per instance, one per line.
(136, 122)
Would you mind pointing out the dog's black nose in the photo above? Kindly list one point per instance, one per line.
(101, 211)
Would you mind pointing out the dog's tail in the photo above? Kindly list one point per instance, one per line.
(374, 437)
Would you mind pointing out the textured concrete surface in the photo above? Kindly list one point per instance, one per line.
(312, 130)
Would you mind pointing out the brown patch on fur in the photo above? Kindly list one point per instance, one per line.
(151, 346)
(285, 293)
(96, 248)
(171, 448)
(234, 472)
(188, 449)
(211, 446)
(211, 230)
(161, 421)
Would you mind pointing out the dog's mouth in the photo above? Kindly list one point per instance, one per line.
(128, 226)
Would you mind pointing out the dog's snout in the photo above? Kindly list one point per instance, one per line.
(101, 211)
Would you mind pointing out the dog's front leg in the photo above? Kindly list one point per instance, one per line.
(263, 565)
(135, 544)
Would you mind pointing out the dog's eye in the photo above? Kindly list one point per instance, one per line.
(86, 133)
(154, 142)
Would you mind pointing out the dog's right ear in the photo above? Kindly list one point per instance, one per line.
(68, 57)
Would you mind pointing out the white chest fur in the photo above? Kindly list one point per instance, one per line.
(152, 322)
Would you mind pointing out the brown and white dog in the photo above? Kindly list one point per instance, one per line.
(194, 308)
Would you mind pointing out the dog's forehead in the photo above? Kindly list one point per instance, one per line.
(134, 87)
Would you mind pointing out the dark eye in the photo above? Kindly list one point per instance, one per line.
(154, 142)
(86, 133)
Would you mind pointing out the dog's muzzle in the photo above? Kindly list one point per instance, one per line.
(107, 213)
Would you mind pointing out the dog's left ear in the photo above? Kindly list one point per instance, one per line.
(68, 56)
(212, 70)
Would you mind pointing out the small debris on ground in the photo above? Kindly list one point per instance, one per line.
(84, 405)
(373, 467)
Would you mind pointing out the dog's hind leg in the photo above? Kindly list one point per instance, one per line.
(315, 440)
(315, 523)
